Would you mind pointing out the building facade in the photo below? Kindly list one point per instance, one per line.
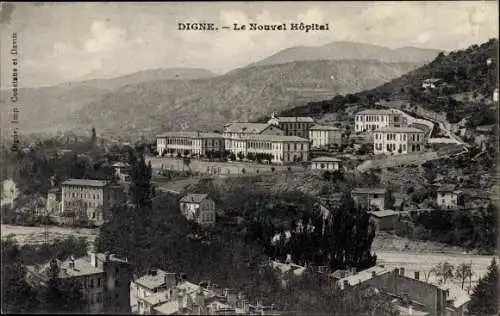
(384, 219)
(373, 119)
(235, 132)
(325, 163)
(199, 208)
(187, 143)
(293, 126)
(54, 201)
(448, 198)
(398, 140)
(90, 198)
(104, 280)
(322, 135)
(369, 197)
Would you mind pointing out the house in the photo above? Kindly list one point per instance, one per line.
(374, 119)
(122, 171)
(293, 126)
(369, 197)
(410, 295)
(398, 140)
(431, 83)
(54, 205)
(325, 163)
(384, 219)
(199, 208)
(189, 143)
(323, 135)
(91, 198)
(105, 280)
(448, 197)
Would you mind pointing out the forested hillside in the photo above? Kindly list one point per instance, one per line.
(470, 76)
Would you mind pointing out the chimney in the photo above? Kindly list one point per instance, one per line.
(402, 271)
(153, 272)
(107, 256)
(200, 299)
(374, 274)
(72, 263)
(346, 284)
(170, 280)
(417, 275)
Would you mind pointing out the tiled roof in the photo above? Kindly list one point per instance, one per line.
(362, 276)
(326, 159)
(446, 188)
(86, 182)
(194, 198)
(190, 134)
(82, 267)
(250, 128)
(368, 190)
(168, 308)
(318, 127)
(292, 119)
(276, 138)
(391, 129)
(384, 213)
(152, 281)
(376, 112)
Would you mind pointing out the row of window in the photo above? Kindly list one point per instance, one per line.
(393, 136)
(287, 126)
(94, 196)
(372, 118)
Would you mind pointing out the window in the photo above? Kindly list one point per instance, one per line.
(91, 283)
(98, 282)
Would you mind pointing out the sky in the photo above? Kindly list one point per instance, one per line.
(61, 42)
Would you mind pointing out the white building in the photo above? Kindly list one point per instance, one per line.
(189, 143)
(322, 135)
(431, 83)
(398, 140)
(234, 132)
(325, 163)
(374, 119)
(280, 148)
(199, 208)
(292, 125)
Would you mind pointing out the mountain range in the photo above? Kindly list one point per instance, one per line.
(162, 99)
(349, 50)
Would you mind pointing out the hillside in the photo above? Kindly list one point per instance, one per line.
(148, 75)
(349, 50)
(207, 104)
(46, 106)
(465, 72)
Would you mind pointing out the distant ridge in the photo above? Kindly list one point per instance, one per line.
(342, 50)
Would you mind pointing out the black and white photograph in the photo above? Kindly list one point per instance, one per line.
(250, 158)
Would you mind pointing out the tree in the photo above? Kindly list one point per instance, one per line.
(93, 138)
(463, 272)
(388, 199)
(17, 295)
(485, 298)
(141, 183)
(444, 271)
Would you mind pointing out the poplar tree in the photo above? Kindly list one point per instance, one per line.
(485, 298)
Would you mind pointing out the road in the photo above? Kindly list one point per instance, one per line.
(424, 262)
(35, 235)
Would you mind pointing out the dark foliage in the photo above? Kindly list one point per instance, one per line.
(485, 298)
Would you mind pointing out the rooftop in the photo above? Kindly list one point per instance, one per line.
(120, 165)
(276, 138)
(376, 112)
(326, 159)
(384, 213)
(446, 188)
(86, 182)
(318, 127)
(368, 191)
(400, 130)
(292, 119)
(194, 198)
(363, 276)
(190, 134)
(152, 281)
(250, 128)
(168, 308)
(82, 267)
